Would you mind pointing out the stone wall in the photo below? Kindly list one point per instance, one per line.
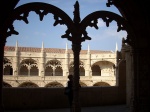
(45, 98)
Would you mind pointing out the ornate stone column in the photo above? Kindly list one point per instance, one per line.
(76, 103)
(141, 81)
(42, 60)
(88, 66)
(15, 66)
(127, 55)
(66, 65)
(2, 44)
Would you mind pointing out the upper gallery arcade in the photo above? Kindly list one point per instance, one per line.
(29, 64)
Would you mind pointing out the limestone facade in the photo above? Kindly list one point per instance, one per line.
(49, 67)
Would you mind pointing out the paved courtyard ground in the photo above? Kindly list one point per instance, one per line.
(113, 108)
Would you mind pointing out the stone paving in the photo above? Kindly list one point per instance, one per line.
(113, 108)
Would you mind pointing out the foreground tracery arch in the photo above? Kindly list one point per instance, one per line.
(73, 31)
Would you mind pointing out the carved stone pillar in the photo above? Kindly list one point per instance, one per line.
(76, 103)
(88, 66)
(66, 67)
(42, 70)
(141, 81)
(128, 56)
(42, 62)
(88, 69)
(15, 66)
(1, 74)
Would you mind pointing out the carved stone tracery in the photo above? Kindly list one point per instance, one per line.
(76, 30)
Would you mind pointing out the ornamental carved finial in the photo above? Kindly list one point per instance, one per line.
(76, 13)
(109, 3)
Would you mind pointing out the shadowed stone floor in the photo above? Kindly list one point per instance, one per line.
(113, 108)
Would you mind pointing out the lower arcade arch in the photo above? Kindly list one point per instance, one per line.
(104, 84)
(28, 85)
(53, 84)
(82, 84)
(5, 84)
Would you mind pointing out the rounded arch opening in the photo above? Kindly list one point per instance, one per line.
(103, 84)
(81, 68)
(82, 84)
(53, 85)
(28, 85)
(6, 85)
(7, 67)
(53, 68)
(28, 67)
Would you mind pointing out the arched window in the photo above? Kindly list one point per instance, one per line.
(103, 68)
(33, 71)
(58, 71)
(7, 65)
(29, 67)
(71, 70)
(53, 68)
(96, 70)
(8, 70)
(81, 69)
(23, 70)
(48, 71)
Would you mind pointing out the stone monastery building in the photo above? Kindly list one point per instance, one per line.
(49, 67)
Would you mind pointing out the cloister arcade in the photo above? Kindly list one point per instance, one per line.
(25, 71)
(29, 67)
(135, 19)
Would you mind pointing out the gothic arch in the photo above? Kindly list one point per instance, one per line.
(127, 8)
(28, 85)
(42, 9)
(7, 67)
(96, 70)
(53, 68)
(103, 68)
(54, 84)
(28, 67)
(101, 61)
(81, 68)
(107, 16)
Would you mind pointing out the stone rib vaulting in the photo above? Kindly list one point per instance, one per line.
(49, 67)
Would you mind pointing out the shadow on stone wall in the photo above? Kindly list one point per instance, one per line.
(49, 98)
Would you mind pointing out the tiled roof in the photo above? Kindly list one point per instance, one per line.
(50, 50)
